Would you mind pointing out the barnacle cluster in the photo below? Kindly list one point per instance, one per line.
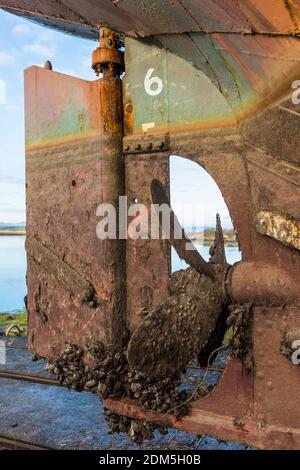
(107, 373)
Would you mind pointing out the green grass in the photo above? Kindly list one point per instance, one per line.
(18, 318)
(12, 232)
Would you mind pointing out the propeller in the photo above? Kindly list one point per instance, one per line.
(173, 333)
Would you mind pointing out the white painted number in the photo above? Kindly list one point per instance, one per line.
(296, 93)
(296, 354)
(153, 85)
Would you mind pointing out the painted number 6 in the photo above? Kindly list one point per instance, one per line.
(153, 85)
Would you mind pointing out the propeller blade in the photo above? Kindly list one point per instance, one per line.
(181, 241)
(176, 331)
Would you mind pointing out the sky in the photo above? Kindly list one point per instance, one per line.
(22, 44)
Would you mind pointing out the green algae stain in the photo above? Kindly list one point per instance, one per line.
(71, 123)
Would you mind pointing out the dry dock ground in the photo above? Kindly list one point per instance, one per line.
(38, 413)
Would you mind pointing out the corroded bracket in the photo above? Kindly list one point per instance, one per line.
(108, 56)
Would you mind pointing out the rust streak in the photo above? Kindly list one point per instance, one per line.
(292, 13)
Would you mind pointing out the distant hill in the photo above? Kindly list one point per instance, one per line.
(12, 226)
(207, 235)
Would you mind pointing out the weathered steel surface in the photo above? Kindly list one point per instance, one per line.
(274, 183)
(60, 271)
(148, 261)
(136, 17)
(230, 78)
(241, 47)
(155, 86)
(112, 186)
(261, 283)
(246, 49)
(248, 158)
(51, 10)
(255, 161)
(70, 160)
(223, 99)
(277, 379)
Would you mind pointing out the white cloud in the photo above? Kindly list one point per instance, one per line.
(6, 58)
(46, 36)
(39, 50)
(21, 30)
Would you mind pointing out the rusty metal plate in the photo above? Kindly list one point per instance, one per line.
(282, 145)
(140, 18)
(277, 379)
(158, 97)
(148, 261)
(229, 79)
(153, 17)
(66, 181)
(245, 15)
(254, 159)
(198, 96)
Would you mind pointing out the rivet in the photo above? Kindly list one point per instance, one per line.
(260, 375)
